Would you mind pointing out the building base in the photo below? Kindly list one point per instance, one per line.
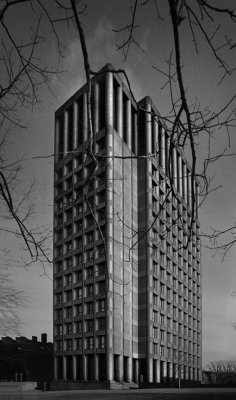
(90, 385)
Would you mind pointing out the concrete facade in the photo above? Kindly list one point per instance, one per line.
(127, 292)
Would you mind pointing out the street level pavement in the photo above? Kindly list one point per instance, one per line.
(132, 394)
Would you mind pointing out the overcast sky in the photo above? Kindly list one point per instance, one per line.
(201, 76)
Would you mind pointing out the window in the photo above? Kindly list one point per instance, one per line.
(155, 348)
(155, 284)
(163, 335)
(89, 308)
(162, 289)
(68, 312)
(78, 276)
(89, 325)
(78, 226)
(68, 215)
(89, 290)
(58, 330)
(78, 344)
(68, 247)
(58, 251)
(79, 209)
(89, 343)
(68, 329)
(89, 238)
(100, 269)
(101, 342)
(68, 345)
(101, 305)
(101, 324)
(168, 338)
(155, 333)
(89, 272)
(155, 268)
(101, 287)
(101, 197)
(68, 295)
(162, 304)
(89, 255)
(58, 345)
(68, 263)
(78, 293)
(58, 283)
(68, 279)
(155, 300)
(58, 298)
(155, 317)
(78, 327)
(100, 251)
(78, 259)
(79, 310)
(58, 314)
(58, 267)
(163, 273)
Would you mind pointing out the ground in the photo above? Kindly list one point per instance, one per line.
(7, 393)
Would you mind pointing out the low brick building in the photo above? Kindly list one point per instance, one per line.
(23, 359)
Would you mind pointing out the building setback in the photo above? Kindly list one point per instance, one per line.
(127, 274)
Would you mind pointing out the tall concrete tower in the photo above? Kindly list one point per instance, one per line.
(127, 290)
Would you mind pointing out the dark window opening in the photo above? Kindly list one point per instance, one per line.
(133, 128)
(80, 120)
(115, 105)
(125, 127)
(70, 128)
(142, 139)
(60, 122)
(101, 104)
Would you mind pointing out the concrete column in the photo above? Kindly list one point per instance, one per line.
(164, 371)
(96, 368)
(74, 360)
(56, 142)
(65, 132)
(170, 371)
(55, 361)
(85, 367)
(149, 296)
(119, 111)
(109, 223)
(128, 122)
(85, 118)
(136, 376)
(186, 375)
(163, 150)
(189, 189)
(174, 167)
(155, 135)
(129, 369)
(75, 125)
(180, 178)
(121, 368)
(168, 157)
(185, 182)
(196, 198)
(190, 374)
(64, 368)
(157, 378)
